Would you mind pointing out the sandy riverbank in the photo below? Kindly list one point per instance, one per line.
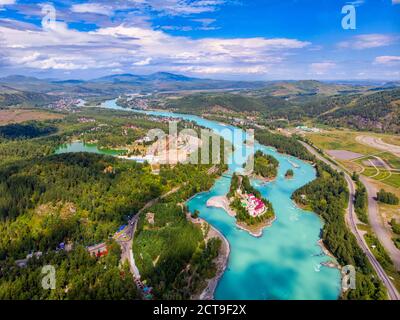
(221, 202)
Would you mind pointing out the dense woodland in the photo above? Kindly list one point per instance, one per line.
(265, 166)
(361, 200)
(27, 130)
(287, 145)
(82, 199)
(171, 252)
(46, 199)
(79, 276)
(327, 196)
(387, 197)
(357, 107)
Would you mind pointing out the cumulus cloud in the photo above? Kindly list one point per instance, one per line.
(6, 2)
(182, 7)
(128, 48)
(96, 8)
(367, 41)
(144, 62)
(321, 68)
(387, 60)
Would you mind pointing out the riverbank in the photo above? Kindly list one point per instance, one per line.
(257, 230)
(221, 261)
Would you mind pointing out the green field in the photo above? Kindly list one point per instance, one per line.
(340, 140)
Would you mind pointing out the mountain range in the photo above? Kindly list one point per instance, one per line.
(371, 105)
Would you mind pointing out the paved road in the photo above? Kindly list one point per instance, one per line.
(379, 144)
(129, 231)
(352, 222)
(378, 225)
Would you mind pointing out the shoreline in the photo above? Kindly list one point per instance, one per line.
(221, 260)
(259, 233)
(329, 264)
(222, 202)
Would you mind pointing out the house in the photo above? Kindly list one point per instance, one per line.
(255, 206)
(99, 250)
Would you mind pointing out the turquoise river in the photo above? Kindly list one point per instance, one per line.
(285, 263)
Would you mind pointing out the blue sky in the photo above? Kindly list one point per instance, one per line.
(221, 39)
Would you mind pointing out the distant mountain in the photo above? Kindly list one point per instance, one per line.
(304, 88)
(118, 78)
(159, 76)
(123, 83)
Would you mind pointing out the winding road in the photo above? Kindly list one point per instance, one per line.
(352, 221)
(378, 143)
(378, 225)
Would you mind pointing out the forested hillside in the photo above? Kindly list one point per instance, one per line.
(11, 97)
(327, 196)
(378, 111)
(82, 199)
(79, 277)
(283, 144)
(202, 103)
(26, 130)
(360, 109)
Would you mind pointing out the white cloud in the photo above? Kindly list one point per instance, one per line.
(144, 62)
(367, 41)
(389, 60)
(233, 70)
(96, 8)
(182, 7)
(395, 1)
(356, 3)
(7, 2)
(321, 68)
(141, 48)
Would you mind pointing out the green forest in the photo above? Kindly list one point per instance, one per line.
(387, 197)
(287, 145)
(82, 199)
(356, 107)
(327, 196)
(361, 200)
(265, 166)
(171, 253)
(79, 276)
(27, 130)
